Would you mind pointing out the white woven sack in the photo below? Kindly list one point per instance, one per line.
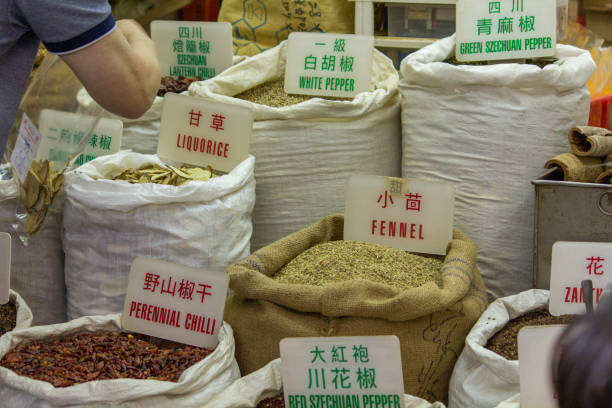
(139, 135)
(482, 378)
(514, 402)
(306, 152)
(24, 313)
(196, 385)
(108, 223)
(267, 382)
(489, 130)
(37, 270)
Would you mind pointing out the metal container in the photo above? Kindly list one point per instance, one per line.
(567, 211)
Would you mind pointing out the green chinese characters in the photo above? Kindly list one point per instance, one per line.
(191, 51)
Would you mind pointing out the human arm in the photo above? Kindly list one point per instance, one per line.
(120, 71)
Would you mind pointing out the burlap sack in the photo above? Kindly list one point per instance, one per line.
(262, 24)
(582, 169)
(590, 141)
(430, 322)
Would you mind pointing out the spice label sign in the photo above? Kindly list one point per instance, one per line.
(573, 262)
(359, 372)
(411, 215)
(26, 147)
(5, 267)
(192, 49)
(505, 29)
(535, 349)
(201, 132)
(175, 302)
(328, 64)
(66, 134)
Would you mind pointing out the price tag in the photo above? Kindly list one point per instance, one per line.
(175, 302)
(26, 146)
(328, 64)
(573, 262)
(342, 371)
(191, 48)
(412, 215)
(535, 349)
(201, 132)
(64, 135)
(5, 267)
(509, 29)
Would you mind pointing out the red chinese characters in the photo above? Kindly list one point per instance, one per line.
(169, 287)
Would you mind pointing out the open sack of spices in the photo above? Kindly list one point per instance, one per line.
(92, 362)
(489, 129)
(129, 204)
(306, 147)
(141, 134)
(300, 287)
(487, 371)
(15, 314)
(263, 389)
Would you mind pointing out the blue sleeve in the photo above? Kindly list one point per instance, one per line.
(67, 25)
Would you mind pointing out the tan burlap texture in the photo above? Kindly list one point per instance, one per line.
(430, 322)
(590, 141)
(575, 168)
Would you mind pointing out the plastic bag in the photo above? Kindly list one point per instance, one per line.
(196, 385)
(107, 223)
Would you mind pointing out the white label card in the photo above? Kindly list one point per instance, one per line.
(412, 215)
(361, 372)
(201, 132)
(192, 48)
(573, 262)
(64, 135)
(505, 29)
(5, 267)
(175, 302)
(328, 64)
(535, 349)
(25, 148)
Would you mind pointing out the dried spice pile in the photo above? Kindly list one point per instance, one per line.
(40, 186)
(505, 341)
(272, 93)
(338, 261)
(272, 402)
(93, 356)
(175, 85)
(166, 175)
(8, 317)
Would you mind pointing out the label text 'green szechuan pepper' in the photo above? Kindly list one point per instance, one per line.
(505, 341)
(339, 261)
(95, 356)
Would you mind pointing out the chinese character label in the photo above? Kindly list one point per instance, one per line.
(412, 215)
(510, 29)
(573, 262)
(328, 64)
(192, 49)
(27, 145)
(342, 371)
(175, 302)
(200, 132)
(67, 135)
